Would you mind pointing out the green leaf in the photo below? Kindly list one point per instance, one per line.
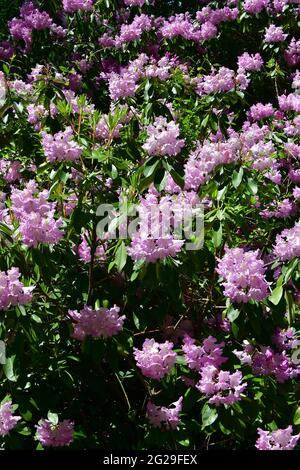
(21, 310)
(221, 193)
(184, 442)
(110, 266)
(224, 430)
(181, 360)
(296, 419)
(5, 69)
(121, 256)
(240, 94)
(237, 177)
(146, 90)
(235, 330)
(99, 155)
(134, 275)
(27, 415)
(150, 169)
(136, 321)
(36, 318)
(205, 121)
(53, 418)
(177, 178)
(209, 415)
(6, 232)
(19, 106)
(217, 236)
(145, 182)
(25, 431)
(252, 186)
(114, 172)
(276, 295)
(291, 309)
(290, 270)
(232, 313)
(8, 368)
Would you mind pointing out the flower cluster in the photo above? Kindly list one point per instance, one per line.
(205, 28)
(250, 62)
(290, 102)
(71, 6)
(163, 138)
(217, 82)
(84, 250)
(35, 115)
(255, 6)
(161, 222)
(292, 53)
(205, 159)
(288, 243)
(266, 361)
(10, 170)
(155, 359)
(243, 275)
(281, 439)
(210, 353)
(261, 111)
(6, 50)
(61, 146)
(31, 19)
(35, 215)
(132, 3)
(7, 419)
(285, 339)
(151, 249)
(55, 435)
(122, 86)
(180, 25)
(12, 291)
(280, 209)
(274, 34)
(99, 322)
(133, 31)
(221, 386)
(161, 416)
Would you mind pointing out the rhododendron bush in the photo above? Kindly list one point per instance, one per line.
(143, 341)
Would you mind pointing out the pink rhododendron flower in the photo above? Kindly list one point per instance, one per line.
(155, 359)
(161, 416)
(7, 419)
(281, 439)
(163, 138)
(12, 290)
(55, 435)
(221, 386)
(243, 275)
(99, 322)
